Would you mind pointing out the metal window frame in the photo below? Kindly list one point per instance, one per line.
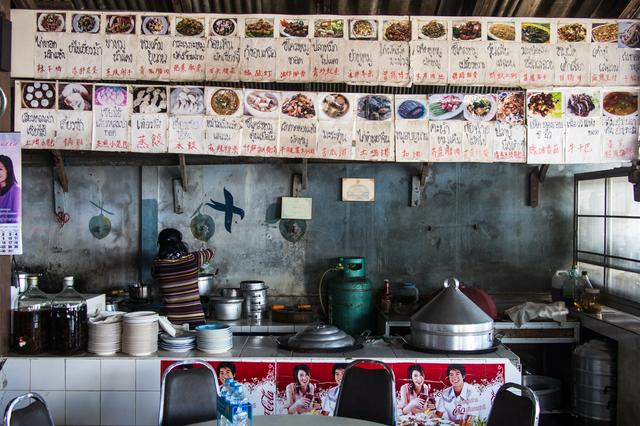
(605, 175)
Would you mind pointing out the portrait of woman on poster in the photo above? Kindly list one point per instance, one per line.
(300, 393)
(414, 396)
(9, 192)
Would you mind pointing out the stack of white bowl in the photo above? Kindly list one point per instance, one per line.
(182, 342)
(104, 333)
(214, 338)
(140, 333)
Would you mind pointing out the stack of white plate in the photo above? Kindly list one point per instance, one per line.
(179, 343)
(140, 333)
(214, 338)
(104, 334)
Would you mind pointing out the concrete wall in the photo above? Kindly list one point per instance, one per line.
(474, 224)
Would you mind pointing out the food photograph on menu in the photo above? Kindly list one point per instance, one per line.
(431, 29)
(396, 30)
(535, 33)
(467, 30)
(328, 28)
(620, 103)
(604, 32)
(298, 105)
(75, 97)
(583, 104)
(261, 103)
(223, 27)
(572, 32)
(374, 107)
(111, 96)
(155, 25)
(150, 99)
(363, 29)
(51, 22)
(544, 104)
(445, 106)
(629, 34)
(225, 102)
(411, 109)
(294, 27)
(120, 24)
(335, 106)
(81, 23)
(480, 107)
(259, 27)
(189, 27)
(510, 108)
(501, 31)
(186, 101)
(38, 95)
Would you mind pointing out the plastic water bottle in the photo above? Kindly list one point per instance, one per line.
(239, 404)
(223, 400)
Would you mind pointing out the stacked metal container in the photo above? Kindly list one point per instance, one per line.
(255, 298)
(594, 383)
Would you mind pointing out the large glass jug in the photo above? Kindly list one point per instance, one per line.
(68, 320)
(30, 320)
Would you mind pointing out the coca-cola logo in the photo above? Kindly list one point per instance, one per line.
(459, 410)
(267, 401)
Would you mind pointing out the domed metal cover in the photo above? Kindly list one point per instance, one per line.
(321, 336)
(451, 321)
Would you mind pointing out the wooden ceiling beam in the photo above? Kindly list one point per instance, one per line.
(632, 10)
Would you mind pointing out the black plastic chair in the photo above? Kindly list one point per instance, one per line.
(510, 409)
(188, 395)
(367, 394)
(35, 414)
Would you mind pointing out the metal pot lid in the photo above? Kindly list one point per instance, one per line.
(451, 309)
(321, 336)
(251, 285)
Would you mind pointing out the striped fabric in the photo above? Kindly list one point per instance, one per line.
(178, 280)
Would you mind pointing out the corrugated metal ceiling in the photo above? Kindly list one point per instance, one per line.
(551, 8)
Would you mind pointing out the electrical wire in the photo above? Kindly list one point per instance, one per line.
(320, 289)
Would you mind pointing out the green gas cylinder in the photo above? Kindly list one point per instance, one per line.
(351, 297)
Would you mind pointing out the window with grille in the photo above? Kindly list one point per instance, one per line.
(607, 232)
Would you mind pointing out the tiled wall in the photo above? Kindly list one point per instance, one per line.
(88, 391)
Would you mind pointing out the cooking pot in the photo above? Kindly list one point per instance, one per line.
(205, 284)
(321, 338)
(451, 322)
(231, 292)
(227, 308)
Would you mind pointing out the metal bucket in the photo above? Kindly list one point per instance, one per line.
(547, 389)
(594, 381)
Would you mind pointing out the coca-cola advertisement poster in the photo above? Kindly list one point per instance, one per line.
(258, 378)
(446, 393)
(308, 388)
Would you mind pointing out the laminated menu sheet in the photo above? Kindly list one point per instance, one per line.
(478, 132)
(394, 67)
(629, 45)
(35, 114)
(186, 124)
(362, 56)
(536, 52)
(510, 138)
(222, 51)
(429, 50)
(149, 121)
(50, 55)
(85, 47)
(328, 46)
(336, 125)
(604, 60)
(258, 49)
(119, 61)
(111, 105)
(298, 125)
(502, 52)
(374, 136)
(188, 49)
(583, 124)
(260, 122)
(75, 116)
(293, 49)
(545, 130)
(224, 121)
(467, 51)
(154, 47)
(411, 128)
(620, 124)
(571, 62)
(445, 127)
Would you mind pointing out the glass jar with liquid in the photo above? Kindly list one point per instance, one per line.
(68, 320)
(31, 320)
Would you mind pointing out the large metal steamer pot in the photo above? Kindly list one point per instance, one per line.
(451, 322)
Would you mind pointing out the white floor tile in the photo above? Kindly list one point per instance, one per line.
(56, 403)
(82, 374)
(118, 374)
(147, 408)
(83, 408)
(117, 408)
(147, 375)
(16, 371)
(47, 374)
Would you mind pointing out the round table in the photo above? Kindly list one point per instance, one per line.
(294, 420)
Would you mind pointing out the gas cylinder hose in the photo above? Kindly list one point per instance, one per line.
(320, 289)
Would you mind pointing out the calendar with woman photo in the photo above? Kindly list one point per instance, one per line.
(10, 194)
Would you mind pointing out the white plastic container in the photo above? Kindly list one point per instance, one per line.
(556, 284)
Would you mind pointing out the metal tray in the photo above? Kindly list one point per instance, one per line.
(283, 342)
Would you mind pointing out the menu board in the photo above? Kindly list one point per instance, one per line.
(188, 49)
(75, 116)
(293, 49)
(374, 138)
(335, 125)
(583, 124)
(258, 49)
(327, 50)
(446, 127)
(478, 132)
(502, 52)
(36, 118)
(545, 130)
(411, 128)
(149, 121)
(571, 64)
(536, 57)
(620, 122)
(186, 124)
(110, 118)
(222, 50)
(510, 138)
(298, 125)
(224, 121)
